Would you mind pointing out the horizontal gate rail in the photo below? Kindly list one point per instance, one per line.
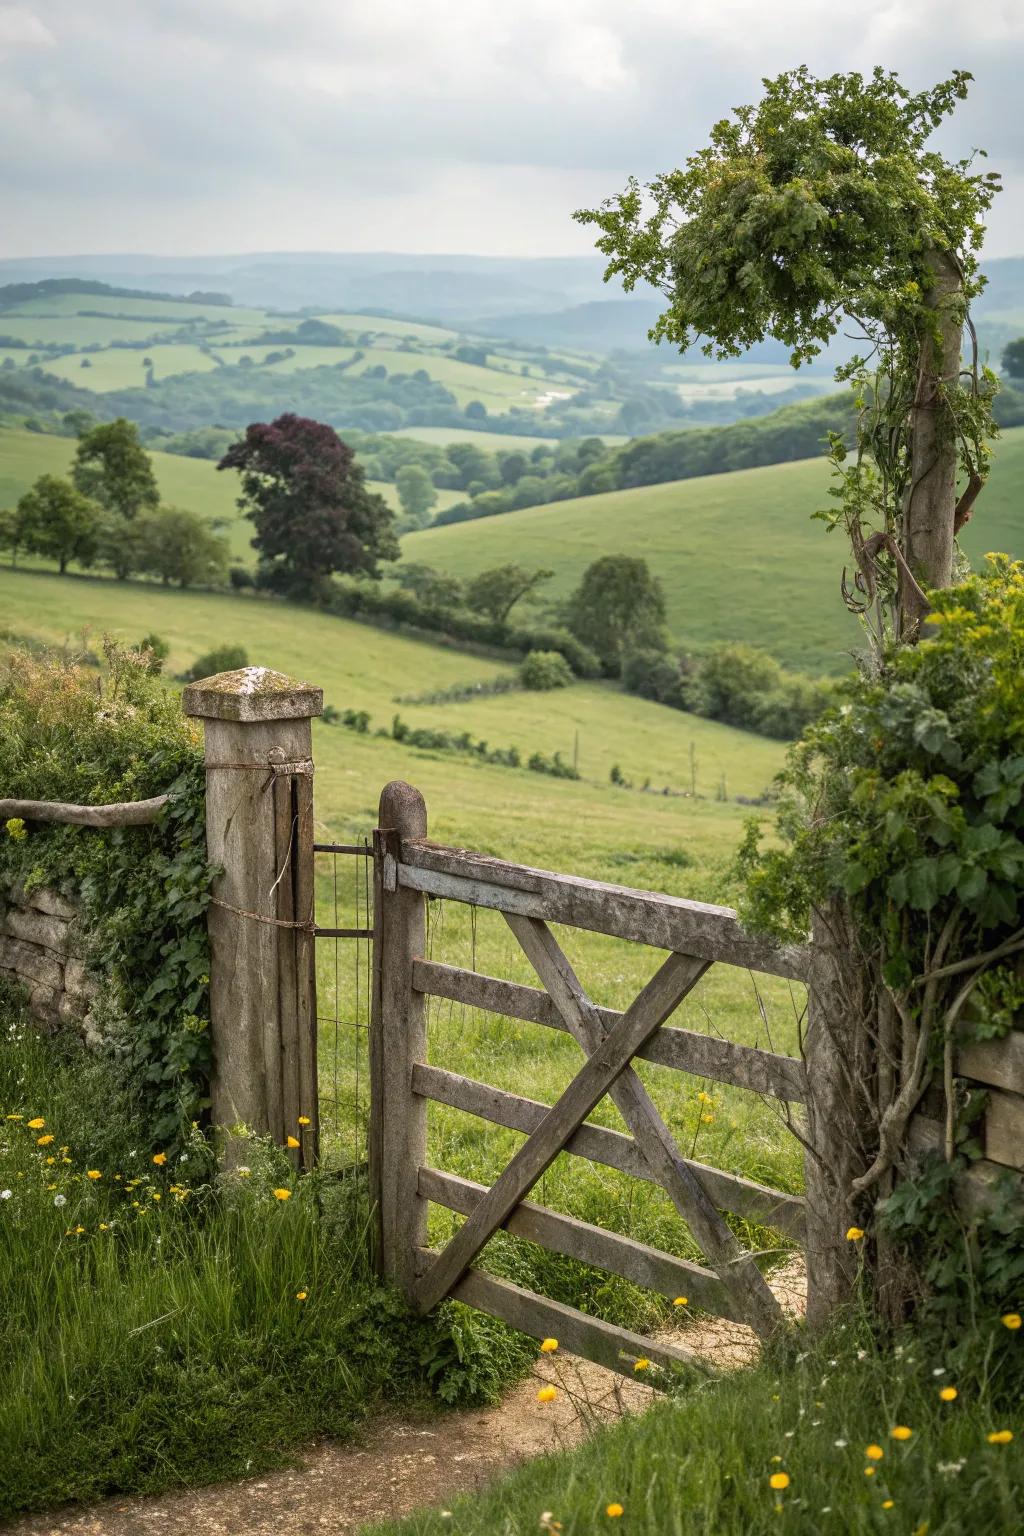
(744, 1066)
(662, 1272)
(644, 917)
(729, 1191)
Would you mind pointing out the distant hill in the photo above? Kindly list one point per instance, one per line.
(737, 553)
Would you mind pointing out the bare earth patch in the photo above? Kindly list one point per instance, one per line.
(402, 1464)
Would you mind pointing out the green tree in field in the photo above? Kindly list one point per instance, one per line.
(58, 522)
(618, 607)
(180, 546)
(824, 206)
(496, 592)
(437, 588)
(472, 463)
(1013, 360)
(12, 531)
(416, 492)
(112, 467)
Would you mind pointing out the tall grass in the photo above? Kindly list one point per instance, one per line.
(160, 1329)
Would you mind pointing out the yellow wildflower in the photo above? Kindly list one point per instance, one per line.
(901, 1432)
(1000, 1437)
(680, 1301)
(104, 1226)
(293, 1141)
(36, 1124)
(854, 1234)
(155, 1194)
(547, 1394)
(642, 1364)
(159, 1158)
(301, 1295)
(778, 1481)
(614, 1511)
(874, 1453)
(869, 1471)
(1011, 1320)
(282, 1194)
(548, 1346)
(305, 1120)
(887, 1503)
(947, 1394)
(707, 1119)
(16, 830)
(44, 1141)
(704, 1098)
(94, 1174)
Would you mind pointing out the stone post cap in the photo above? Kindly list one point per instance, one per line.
(252, 694)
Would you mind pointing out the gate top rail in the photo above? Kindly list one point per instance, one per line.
(646, 917)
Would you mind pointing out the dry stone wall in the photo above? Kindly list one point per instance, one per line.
(41, 948)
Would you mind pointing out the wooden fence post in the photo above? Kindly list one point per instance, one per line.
(840, 1107)
(398, 1040)
(259, 830)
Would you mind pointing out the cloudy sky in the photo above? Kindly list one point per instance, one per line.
(203, 126)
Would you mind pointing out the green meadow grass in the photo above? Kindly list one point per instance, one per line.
(506, 441)
(497, 388)
(140, 309)
(121, 368)
(737, 554)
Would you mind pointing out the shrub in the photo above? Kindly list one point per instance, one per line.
(223, 658)
(543, 670)
(241, 578)
(155, 650)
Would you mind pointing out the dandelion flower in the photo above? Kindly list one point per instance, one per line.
(301, 1295)
(707, 1119)
(778, 1481)
(159, 1158)
(293, 1141)
(104, 1226)
(901, 1432)
(94, 1174)
(60, 1200)
(548, 1346)
(305, 1120)
(887, 1503)
(947, 1394)
(1000, 1437)
(680, 1301)
(36, 1124)
(854, 1234)
(5, 1194)
(643, 1364)
(547, 1394)
(1011, 1320)
(869, 1471)
(44, 1141)
(614, 1511)
(282, 1194)
(874, 1453)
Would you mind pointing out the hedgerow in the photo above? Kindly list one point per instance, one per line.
(75, 734)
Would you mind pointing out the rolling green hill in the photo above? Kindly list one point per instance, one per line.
(737, 554)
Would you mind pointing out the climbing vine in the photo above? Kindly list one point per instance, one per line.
(76, 733)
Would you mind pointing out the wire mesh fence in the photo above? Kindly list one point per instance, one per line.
(344, 961)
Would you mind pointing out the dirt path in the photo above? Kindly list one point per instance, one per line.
(401, 1464)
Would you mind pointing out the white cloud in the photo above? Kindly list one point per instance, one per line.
(423, 124)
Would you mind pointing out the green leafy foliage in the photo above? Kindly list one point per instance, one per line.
(67, 735)
(543, 670)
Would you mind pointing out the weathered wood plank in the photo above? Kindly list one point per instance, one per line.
(650, 1267)
(730, 1192)
(672, 980)
(998, 1063)
(1004, 1128)
(751, 1293)
(615, 1348)
(685, 1050)
(305, 971)
(129, 813)
(979, 1182)
(398, 1039)
(646, 917)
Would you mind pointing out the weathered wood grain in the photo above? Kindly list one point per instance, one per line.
(646, 917)
(615, 1348)
(730, 1192)
(646, 1266)
(398, 1039)
(662, 994)
(1004, 1128)
(980, 1183)
(743, 1066)
(751, 1293)
(129, 813)
(997, 1063)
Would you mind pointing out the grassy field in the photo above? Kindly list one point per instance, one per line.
(124, 368)
(652, 840)
(489, 440)
(737, 554)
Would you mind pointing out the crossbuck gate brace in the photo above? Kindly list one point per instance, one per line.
(407, 869)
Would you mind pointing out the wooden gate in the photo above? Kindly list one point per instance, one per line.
(408, 869)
